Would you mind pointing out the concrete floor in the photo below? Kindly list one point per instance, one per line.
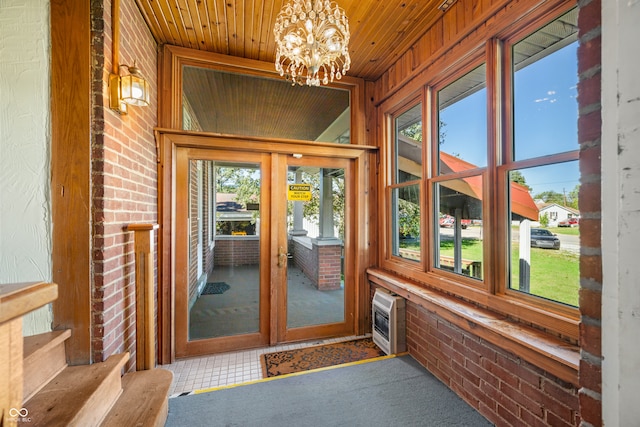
(236, 311)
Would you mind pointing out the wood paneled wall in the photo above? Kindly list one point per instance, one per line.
(104, 176)
(468, 22)
(70, 173)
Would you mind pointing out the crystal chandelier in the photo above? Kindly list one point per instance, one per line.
(312, 40)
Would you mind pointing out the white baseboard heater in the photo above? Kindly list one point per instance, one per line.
(389, 324)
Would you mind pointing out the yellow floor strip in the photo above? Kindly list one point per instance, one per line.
(294, 374)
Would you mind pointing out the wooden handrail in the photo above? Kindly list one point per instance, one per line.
(16, 300)
(145, 306)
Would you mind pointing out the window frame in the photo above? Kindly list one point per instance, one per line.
(175, 59)
(392, 184)
(493, 291)
(510, 164)
(480, 58)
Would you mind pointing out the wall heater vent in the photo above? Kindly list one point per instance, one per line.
(389, 324)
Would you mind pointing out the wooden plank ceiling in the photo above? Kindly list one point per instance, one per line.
(245, 105)
(381, 30)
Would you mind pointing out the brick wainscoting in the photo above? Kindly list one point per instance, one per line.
(505, 389)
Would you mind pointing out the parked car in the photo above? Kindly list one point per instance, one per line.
(543, 238)
(448, 221)
(569, 222)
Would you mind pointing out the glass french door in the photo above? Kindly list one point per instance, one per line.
(313, 249)
(222, 284)
(261, 250)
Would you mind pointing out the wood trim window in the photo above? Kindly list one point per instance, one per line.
(462, 197)
(406, 176)
(234, 85)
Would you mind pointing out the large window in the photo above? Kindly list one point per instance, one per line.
(543, 252)
(405, 189)
(495, 208)
(460, 140)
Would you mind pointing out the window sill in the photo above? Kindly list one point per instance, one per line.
(545, 351)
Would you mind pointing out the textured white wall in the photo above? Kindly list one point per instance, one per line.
(621, 212)
(25, 221)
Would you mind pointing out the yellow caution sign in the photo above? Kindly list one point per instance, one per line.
(299, 192)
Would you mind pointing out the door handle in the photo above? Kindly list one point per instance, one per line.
(282, 257)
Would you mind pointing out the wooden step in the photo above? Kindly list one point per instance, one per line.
(144, 400)
(16, 300)
(79, 395)
(44, 358)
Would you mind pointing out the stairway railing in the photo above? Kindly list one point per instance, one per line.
(145, 295)
(16, 300)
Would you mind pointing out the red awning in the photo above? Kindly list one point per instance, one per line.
(521, 202)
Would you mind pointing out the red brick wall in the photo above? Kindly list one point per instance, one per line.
(238, 250)
(322, 264)
(589, 136)
(505, 389)
(124, 178)
(303, 258)
(329, 267)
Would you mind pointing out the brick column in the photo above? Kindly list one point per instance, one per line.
(329, 266)
(589, 137)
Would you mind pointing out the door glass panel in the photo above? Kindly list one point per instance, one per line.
(316, 230)
(224, 213)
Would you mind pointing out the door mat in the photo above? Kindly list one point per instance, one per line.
(305, 359)
(213, 288)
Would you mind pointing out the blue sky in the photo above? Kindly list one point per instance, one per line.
(546, 121)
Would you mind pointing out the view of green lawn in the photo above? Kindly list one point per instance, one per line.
(571, 231)
(555, 275)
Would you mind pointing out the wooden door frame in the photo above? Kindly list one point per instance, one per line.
(183, 346)
(279, 239)
(168, 142)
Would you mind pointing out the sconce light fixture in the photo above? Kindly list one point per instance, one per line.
(128, 89)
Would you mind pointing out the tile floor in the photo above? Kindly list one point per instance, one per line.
(226, 368)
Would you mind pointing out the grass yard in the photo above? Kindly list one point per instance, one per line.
(570, 231)
(554, 275)
(471, 248)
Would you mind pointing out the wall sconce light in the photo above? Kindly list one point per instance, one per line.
(130, 89)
